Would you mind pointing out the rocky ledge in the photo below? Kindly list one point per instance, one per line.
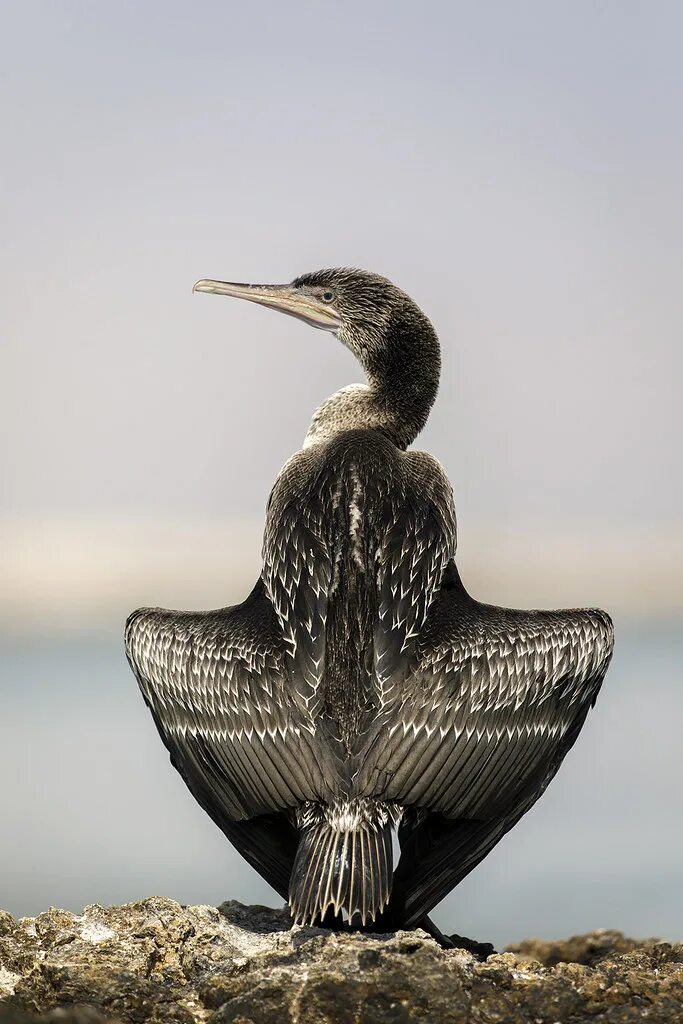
(159, 961)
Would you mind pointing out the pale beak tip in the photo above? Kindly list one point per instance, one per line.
(200, 286)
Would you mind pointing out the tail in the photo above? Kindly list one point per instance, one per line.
(344, 861)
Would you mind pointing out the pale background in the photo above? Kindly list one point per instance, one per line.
(517, 168)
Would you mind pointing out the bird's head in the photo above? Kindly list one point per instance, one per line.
(387, 332)
(358, 306)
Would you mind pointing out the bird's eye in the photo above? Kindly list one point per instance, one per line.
(327, 296)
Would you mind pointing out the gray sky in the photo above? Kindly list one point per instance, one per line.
(514, 166)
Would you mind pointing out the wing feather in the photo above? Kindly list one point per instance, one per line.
(493, 697)
(473, 738)
(222, 702)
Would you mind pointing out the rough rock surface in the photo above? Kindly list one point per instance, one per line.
(158, 961)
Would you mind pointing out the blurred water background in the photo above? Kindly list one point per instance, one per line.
(517, 168)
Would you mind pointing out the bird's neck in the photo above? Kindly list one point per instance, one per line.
(403, 366)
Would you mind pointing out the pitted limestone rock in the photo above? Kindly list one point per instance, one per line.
(157, 961)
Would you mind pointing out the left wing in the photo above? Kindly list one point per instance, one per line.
(236, 730)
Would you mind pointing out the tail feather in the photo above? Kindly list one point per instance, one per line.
(343, 862)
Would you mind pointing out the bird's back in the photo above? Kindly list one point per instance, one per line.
(350, 573)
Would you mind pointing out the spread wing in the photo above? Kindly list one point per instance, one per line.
(222, 702)
(497, 700)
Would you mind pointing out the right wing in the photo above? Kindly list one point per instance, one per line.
(471, 741)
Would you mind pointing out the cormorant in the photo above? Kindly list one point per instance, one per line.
(359, 689)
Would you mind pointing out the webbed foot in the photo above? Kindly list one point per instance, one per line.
(481, 950)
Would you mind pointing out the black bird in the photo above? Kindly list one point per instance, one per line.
(359, 689)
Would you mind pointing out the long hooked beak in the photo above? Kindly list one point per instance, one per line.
(283, 297)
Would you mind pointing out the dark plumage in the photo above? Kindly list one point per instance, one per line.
(359, 689)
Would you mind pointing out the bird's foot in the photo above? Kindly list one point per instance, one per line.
(481, 950)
